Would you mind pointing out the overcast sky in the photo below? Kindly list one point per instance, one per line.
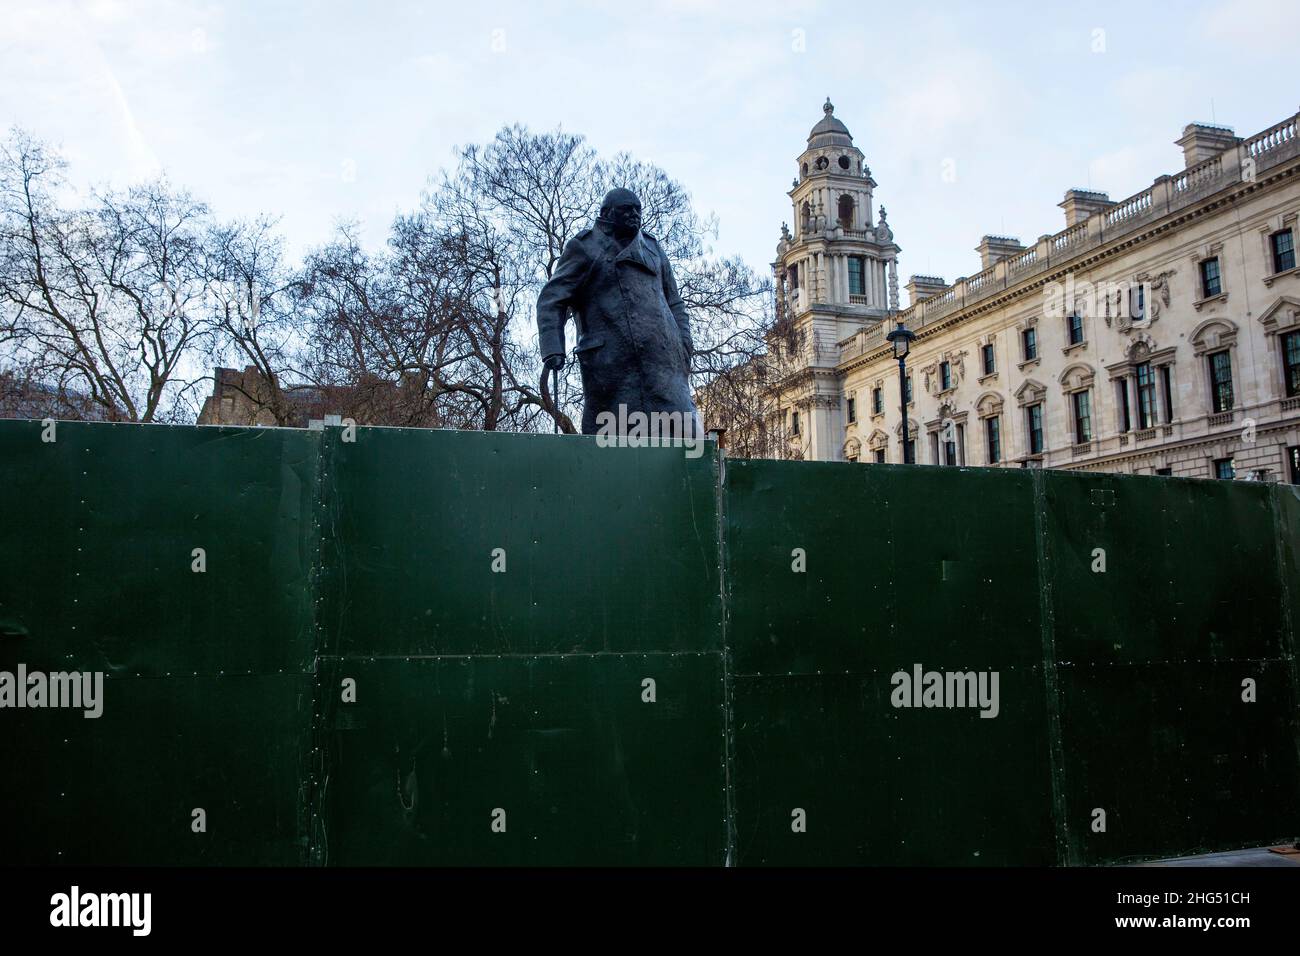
(318, 111)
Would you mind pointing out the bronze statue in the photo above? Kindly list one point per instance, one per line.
(634, 336)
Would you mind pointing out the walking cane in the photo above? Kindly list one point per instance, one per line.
(548, 400)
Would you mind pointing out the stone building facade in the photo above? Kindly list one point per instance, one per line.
(1159, 334)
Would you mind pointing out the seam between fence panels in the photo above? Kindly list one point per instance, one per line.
(1065, 850)
(1288, 583)
(317, 841)
(728, 719)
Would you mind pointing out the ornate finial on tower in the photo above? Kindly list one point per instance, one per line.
(827, 108)
(883, 232)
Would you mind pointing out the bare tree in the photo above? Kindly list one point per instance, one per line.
(535, 192)
(115, 309)
(745, 398)
(104, 301)
(252, 298)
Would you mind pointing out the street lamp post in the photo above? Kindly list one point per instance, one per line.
(901, 339)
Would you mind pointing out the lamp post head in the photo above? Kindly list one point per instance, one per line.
(901, 338)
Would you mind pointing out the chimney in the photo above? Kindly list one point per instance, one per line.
(922, 287)
(1081, 203)
(1201, 141)
(993, 248)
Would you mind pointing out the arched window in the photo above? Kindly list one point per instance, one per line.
(846, 211)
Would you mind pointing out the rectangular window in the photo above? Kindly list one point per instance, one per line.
(1293, 456)
(1074, 329)
(909, 452)
(877, 400)
(794, 277)
(934, 448)
(950, 449)
(856, 284)
(1221, 381)
(1224, 470)
(794, 423)
(1291, 363)
(1283, 250)
(1125, 418)
(1029, 338)
(880, 456)
(1146, 396)
(1210, 282)
(993, 439)
(990, 364)
(1167, 386)
(853, 412)
(1082, 417)
(1165, 472)
(945, 376)
(1034, 415)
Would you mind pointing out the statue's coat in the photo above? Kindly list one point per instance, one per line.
(634, 335)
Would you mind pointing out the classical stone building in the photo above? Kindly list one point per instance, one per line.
(1159, 334)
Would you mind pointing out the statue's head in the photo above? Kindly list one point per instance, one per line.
(621, 209)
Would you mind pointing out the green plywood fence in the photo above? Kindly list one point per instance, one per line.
(208, 677)
(1120, 689)
(424, 647)
(499, 601)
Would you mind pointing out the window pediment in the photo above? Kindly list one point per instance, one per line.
(988, 405)
(1078, 376)
(1283, 314)
(1213, 334)
(1031, 392)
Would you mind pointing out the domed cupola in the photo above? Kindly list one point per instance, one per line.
(830, 150)
(836, 261)
(829, 131)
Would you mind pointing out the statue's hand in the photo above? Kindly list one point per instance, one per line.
(554, 362)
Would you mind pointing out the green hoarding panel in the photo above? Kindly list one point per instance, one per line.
(895, 559)
(442, 542)
(899, 574)
(1166, 595)
(532, 760)
(1286, 504)
(121, 789)
(889, 786)
(1176, 760)
(1190, 569)
(98, 543)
